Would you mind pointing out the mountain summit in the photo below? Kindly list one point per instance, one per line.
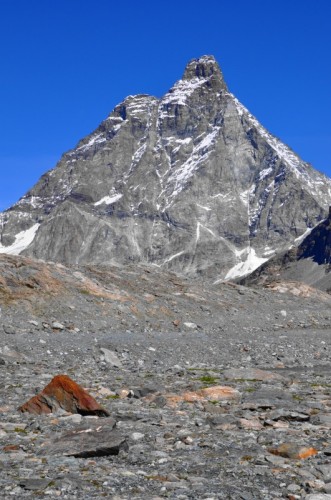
(190, 182)
(205, 68)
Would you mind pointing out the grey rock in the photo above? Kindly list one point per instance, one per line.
(318, 496)
(141, 392)
(326, 472)
(95, 439)
(293, 488)
(33, 483)
(322, 419)
(110, 357)
(33, 322)
(288, 415)
(57, 326)
(9, 329)
(252, 374)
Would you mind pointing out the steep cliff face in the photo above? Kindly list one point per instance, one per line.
(191, 182)
(309, 262)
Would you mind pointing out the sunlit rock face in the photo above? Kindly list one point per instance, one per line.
(190, 182)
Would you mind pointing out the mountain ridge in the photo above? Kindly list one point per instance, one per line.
(191, 182)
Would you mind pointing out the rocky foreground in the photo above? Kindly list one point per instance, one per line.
(209, 391)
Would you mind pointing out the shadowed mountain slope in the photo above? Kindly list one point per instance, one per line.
(309, 263)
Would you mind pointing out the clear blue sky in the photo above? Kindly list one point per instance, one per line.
(66, 63)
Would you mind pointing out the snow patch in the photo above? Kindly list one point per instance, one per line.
(204, 208)
(22, 241)
(181, 91)
(199, 154)
(107, 200)
(138, 154)
(199, 225)
(264, 173)
(244, 196)
(169, 259)
(303, 236)
(95, 139)
(246, 266)
(268, 253)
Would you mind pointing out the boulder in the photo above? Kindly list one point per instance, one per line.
(63, 393)
(94, 439)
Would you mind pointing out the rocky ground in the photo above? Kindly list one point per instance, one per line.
(218, 391)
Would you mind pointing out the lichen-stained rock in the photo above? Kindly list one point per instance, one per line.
(94, 439)
(214, 393)
(64, 393)
(292, 450)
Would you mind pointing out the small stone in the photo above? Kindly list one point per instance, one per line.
(293, 488)
(57, 326)
(318, 496)
(33, 484)
(76, 418)
(253, 424)
(110, 357)
(136, 436)
(192, 326)
(187, 440)
(9, 329)
(33, 322)
(326, 472)
(141, 392)
(104, 391)
(123, 393)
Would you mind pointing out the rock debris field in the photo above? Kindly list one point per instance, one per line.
(197, 390)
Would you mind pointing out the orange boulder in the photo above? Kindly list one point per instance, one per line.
(63, 393)
(291, 450)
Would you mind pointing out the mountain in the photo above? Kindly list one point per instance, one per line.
(309, 262)
(190, 182)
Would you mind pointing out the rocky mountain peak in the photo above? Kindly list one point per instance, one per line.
(190, 182)
(205, 67)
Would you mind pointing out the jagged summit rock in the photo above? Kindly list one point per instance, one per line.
(205, 68)
(190, 182)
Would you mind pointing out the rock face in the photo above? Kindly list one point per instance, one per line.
(191, 182)
(63, 393)
(309, 262)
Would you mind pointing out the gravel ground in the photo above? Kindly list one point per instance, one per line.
(157, 351)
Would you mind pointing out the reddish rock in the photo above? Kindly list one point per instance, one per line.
(64, 393)
(11, 447)
(214, 393)
(291, 450)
